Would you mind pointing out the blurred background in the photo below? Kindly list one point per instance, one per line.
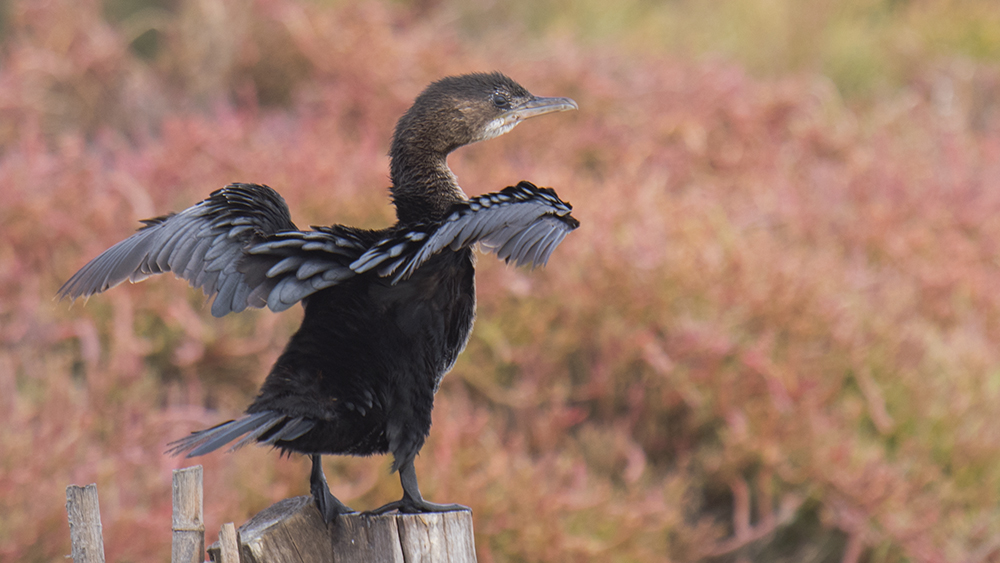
(772, 339)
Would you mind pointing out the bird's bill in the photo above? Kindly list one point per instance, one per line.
(531, 108)
(540, 106)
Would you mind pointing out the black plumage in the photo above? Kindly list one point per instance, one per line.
(386, 311)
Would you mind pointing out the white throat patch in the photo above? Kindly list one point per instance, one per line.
(498, 127)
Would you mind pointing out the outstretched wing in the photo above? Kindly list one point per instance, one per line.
(239, 245)
(522, 223)
(201, 244)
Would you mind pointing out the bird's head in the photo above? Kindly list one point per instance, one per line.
(459, 110)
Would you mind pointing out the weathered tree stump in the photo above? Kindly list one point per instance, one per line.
(293, 531)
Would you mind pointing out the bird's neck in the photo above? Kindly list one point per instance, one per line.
(423, 187)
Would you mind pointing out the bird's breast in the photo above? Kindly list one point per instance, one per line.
(434, 309)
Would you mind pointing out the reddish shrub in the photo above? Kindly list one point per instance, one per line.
(771, 338)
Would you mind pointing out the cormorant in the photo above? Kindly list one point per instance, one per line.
(386, 311)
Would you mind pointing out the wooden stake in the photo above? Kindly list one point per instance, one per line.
(229, 544)
(188, 545)
(84, 514)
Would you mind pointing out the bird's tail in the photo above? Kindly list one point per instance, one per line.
(266, 427)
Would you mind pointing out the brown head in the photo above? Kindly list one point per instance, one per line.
(450, 113)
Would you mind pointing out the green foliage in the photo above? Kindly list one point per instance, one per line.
(771, 339)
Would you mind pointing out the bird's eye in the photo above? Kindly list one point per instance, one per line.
(500, 101)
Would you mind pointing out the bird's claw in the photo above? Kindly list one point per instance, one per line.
(329, 506)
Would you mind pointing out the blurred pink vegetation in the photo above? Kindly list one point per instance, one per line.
(772, 339)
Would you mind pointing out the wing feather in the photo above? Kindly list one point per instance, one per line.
(196, 244)
(239, 245)
(522, 223)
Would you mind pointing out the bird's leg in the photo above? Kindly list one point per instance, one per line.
(412, 501)
(327, 504)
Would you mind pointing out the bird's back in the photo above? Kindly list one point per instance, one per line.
(369, 356)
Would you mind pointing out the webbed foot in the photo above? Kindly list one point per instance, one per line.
(410, 506)
(412, 501)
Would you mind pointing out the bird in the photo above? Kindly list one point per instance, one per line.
(387, 312)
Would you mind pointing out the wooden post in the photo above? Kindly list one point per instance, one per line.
(293, 531)
(188, 545)
(229, 544)
(84, 515)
